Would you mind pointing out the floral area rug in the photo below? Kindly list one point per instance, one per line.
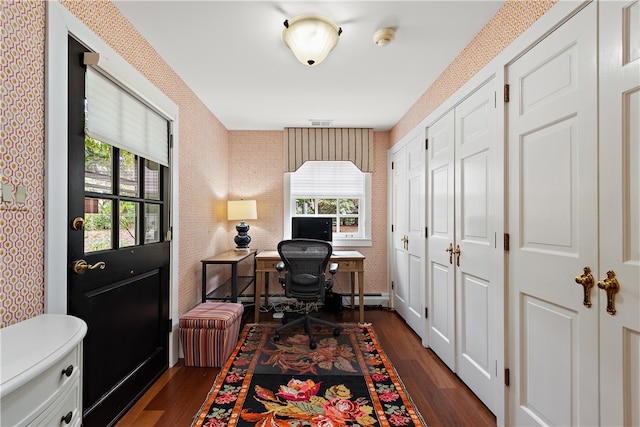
(346, 381)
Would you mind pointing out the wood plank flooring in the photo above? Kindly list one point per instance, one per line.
(439, 395)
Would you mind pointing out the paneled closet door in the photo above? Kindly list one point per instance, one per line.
(620, 211)
(440, 257)
(553, 224)
(462, 249)
(476, 251)
(408, 243)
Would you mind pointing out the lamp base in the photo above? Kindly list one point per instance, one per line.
(242, 239)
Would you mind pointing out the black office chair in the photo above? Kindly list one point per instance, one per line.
(304, 262)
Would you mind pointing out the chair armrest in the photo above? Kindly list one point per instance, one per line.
(333, 268)
(280, 266)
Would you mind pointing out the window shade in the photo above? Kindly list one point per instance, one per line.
(322, 178)
(116, 117)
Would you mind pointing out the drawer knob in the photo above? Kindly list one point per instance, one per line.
(67, 418)
(68, 371)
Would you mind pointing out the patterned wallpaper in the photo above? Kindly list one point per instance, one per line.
(249, 178)
(22, 160)
(507, 24)
(208, 168)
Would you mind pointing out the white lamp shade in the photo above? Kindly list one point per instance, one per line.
(310, 38)
(242, 209)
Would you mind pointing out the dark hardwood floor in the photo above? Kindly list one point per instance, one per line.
(439, 395)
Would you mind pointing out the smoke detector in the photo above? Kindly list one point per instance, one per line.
(384, 36)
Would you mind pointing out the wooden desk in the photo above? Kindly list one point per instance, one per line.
(230, 289)
(348, 261)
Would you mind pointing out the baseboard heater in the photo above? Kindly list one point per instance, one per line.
(370, 299)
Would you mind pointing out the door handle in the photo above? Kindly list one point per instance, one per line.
(450, 250)
(587, 282)
(457, 252)
(405, 242)
(80, 266)
(611, 286)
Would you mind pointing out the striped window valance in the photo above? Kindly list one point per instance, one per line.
(350, 144)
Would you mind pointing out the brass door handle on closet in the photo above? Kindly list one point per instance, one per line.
(450, 250)
(405, 242)
(457, 252)
(587, 282)
(611, 286)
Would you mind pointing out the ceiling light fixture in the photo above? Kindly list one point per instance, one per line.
(384, 36)
(310, 37)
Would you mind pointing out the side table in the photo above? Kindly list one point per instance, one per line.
(235, 285)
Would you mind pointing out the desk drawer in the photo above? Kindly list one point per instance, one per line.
(347, 266)
(267, 265)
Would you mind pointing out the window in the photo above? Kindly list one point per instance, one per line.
(334, 189)
(126, 168)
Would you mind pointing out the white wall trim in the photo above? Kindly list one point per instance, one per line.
(60, 22)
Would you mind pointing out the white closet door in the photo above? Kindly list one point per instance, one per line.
(475, 236)
(408, 235)
(620, 211)
(553, 223)
(440, 220)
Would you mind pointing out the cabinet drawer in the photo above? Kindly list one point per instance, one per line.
(36, 395)
(67, 405)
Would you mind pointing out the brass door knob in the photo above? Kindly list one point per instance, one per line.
(587, 282)
(80, 266)
(457, 252)
(450, 250)
(611, 286)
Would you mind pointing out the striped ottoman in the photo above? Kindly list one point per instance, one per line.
(209, 333)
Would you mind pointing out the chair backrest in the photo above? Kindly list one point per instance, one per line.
(305, 262)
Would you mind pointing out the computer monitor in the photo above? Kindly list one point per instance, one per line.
(312, 227)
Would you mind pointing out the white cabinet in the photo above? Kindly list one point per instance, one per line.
(41, 371)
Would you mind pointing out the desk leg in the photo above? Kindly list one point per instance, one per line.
(256, 308)
(265, 282)
(234, 282)
(352, 282)
(204, 282)
(361, 290)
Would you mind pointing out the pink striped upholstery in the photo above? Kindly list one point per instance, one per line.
(209, 333)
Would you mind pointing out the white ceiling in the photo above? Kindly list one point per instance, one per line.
(231, 54)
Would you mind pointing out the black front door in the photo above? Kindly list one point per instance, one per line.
(118, 280)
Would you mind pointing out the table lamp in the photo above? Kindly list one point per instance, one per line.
(242, 209)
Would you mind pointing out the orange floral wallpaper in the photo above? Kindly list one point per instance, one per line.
(210, 157)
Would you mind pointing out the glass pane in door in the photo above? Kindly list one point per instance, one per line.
(128, 174)
(151, 223)
(97, 224)
(98, 169)
(151, 180)
(128, 219)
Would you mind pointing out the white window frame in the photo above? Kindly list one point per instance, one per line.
(363, 239)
